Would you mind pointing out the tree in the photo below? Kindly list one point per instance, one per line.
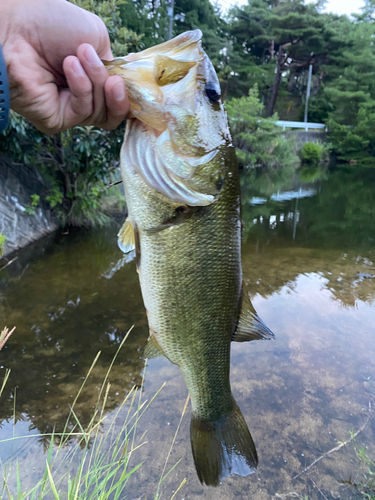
(274, 43)
(259, 141)
(351, 92)
(298, 31)
(249, 49)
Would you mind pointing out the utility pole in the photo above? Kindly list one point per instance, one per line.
(308, 92)
(171, 16)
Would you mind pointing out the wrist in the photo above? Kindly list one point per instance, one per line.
(4, 93)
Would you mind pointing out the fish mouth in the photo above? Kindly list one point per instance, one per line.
(149, 74)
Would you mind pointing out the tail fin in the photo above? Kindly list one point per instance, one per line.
(222, 447)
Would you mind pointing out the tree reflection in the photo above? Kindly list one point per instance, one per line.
(67, 307)
(326, 227)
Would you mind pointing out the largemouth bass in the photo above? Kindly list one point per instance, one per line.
(183, 197)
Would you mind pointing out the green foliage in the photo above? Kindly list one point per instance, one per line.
(35, 199)
(79, 163)
(259, 141)
(261, 31)
(355, 142)
(123, 40)
(30, 208)
(351, 92)
(76, 165)
(313, 152)
(193, 14)
(148, 18)
(3, 240)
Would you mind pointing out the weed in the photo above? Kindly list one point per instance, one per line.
(104, 458)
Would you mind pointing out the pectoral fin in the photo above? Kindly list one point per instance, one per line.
(126, 238)
(250, 326)
(152, 350)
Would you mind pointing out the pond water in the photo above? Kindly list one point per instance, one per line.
(309, 264)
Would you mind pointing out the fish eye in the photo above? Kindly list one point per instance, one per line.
(212, 93)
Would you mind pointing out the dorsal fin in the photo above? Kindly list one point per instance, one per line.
(250, 326)
(126, 239)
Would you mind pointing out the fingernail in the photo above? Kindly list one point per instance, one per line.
(119, 91)
(77, 68)
(92, 57)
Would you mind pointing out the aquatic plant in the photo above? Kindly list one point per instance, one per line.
(97, 466)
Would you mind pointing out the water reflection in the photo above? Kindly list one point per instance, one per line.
(74, 302)
(300, 393)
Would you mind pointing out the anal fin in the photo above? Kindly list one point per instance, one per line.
(152, 350)
(126, 238)
(250, 326)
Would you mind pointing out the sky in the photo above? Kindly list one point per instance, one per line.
(336, 6)
(344, 6)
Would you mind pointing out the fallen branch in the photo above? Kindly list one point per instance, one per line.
(8, 264)
(336, 448)
(4, 336)
(111, 185)
(317, 487)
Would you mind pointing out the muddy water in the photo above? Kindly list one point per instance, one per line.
(309, 264)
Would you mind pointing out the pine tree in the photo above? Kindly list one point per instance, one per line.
(352, 96)
(259, 141)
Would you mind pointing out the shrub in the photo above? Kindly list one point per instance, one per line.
(313, 152)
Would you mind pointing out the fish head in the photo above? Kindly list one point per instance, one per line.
(178, 139)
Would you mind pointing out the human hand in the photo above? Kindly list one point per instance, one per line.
(52, 50)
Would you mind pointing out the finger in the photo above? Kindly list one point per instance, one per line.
(77, 101)
(117, 102)
(97, 73)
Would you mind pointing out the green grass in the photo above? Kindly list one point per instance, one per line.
(366, 484)
(100, 463)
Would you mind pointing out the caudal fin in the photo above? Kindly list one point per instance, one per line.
(222, 447)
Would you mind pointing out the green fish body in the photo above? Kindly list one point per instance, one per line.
(183, 197)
